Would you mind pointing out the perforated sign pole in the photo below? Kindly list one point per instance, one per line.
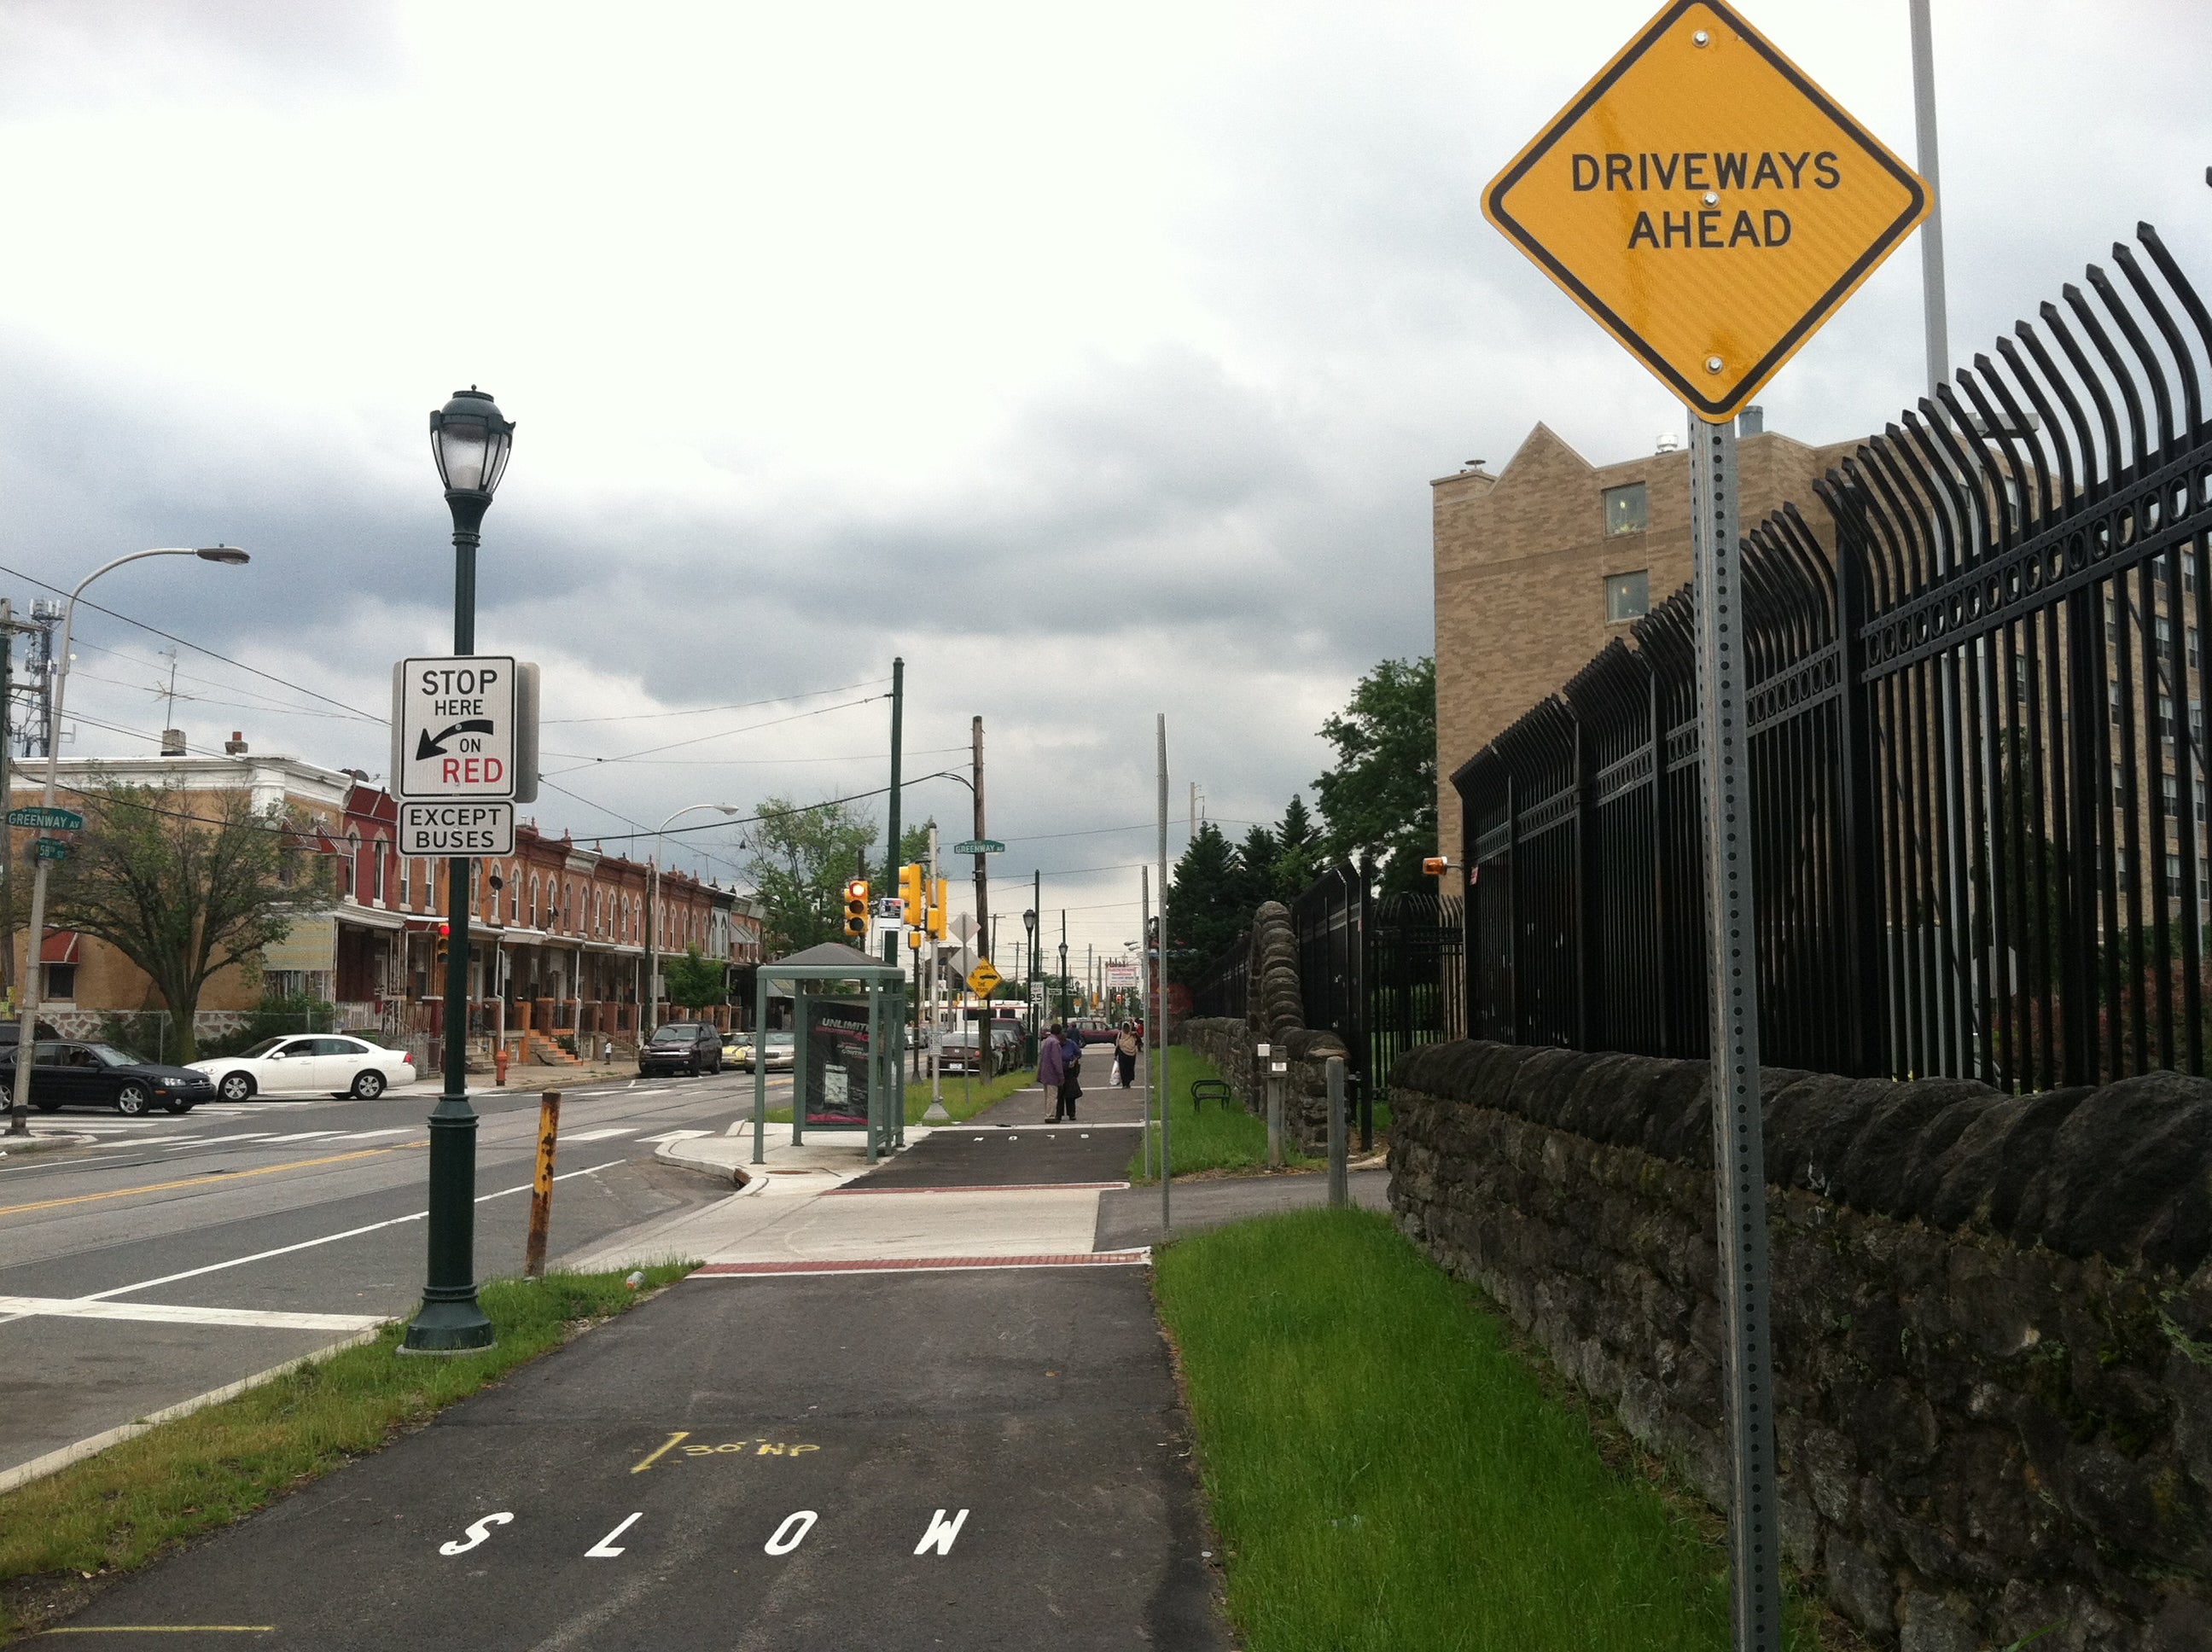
(1738, 1156)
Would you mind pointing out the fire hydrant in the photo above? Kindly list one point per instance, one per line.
(499, 1065)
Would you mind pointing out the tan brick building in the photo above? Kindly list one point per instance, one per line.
(1537, 566)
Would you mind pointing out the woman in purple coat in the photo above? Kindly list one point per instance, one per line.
(1052, 1070)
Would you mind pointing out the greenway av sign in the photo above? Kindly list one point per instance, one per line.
(1706, 203)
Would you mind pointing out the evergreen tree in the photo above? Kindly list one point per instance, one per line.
(1256, 876)
(1298, 850)
(1205, 904)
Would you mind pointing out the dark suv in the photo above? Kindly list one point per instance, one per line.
(693, 1047)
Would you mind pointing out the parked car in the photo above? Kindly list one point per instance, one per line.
(692, 1047)
(957, 1052)
(329, 1063)
(779, 1051)
(65, 1072)
(1091, 1030)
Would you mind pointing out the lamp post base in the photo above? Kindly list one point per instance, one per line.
(447, 1328)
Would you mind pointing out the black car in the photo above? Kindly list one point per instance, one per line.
(65, 1072)
(693, 1047)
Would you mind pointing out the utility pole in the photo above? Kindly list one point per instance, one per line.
(1145, 985)
(1063, 964)
(1159, 1050)
(891, 850)
(935, 1113)
(982, 940)
(1935, 311)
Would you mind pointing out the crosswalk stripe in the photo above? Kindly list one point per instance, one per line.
(600, 1135)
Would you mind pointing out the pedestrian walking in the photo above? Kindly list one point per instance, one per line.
(1126, 1043)
(1052, 1069)
(1071, 1074)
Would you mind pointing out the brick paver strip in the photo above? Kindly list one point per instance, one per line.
(989, 1187)
(910, 1264)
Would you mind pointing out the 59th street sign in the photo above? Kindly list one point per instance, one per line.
(1706, 203)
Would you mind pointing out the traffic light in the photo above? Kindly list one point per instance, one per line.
(937, 913)
(856, 907)
(911, 899)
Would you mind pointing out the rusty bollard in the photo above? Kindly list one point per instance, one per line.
(541, 1190)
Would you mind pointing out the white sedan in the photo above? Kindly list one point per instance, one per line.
(323, 1063)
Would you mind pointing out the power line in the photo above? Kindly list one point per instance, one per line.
(742, 705)
(591, 762)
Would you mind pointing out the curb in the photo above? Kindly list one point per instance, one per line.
(19, 1148)
(728, 1175)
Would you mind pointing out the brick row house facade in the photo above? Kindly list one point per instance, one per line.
(557, 929)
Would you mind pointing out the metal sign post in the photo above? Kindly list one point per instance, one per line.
(1739, 1153)
(1710, 207)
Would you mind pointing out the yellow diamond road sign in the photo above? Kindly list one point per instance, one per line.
(1707, 204)
(982, 980)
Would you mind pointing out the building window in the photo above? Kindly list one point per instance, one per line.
(1627, 595)
(405, 896)
(533, 901)
(1627, 510)
(61, 983)
(377, 849)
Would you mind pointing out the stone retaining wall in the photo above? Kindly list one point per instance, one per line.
(1992, 1318)
(1276, 1018)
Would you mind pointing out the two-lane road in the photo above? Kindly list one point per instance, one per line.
(180, 1254)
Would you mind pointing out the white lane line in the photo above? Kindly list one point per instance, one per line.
(210, 1141)
(663, 1090)
(176, 1314)
(669, 1136)
(301, 1135)
(372, 1135)
(327, 1239)
(600, 1135)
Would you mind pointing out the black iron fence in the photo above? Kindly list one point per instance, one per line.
(1383, 974)
(1976, 739)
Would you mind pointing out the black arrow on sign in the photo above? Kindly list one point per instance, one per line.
(427, 747)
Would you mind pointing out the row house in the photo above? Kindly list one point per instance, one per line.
(558, 930)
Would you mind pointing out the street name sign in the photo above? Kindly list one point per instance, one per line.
(980, 845)
(983, 979)
(451, 829)
(49, 849)
(464, 729)
(47, 820)
(1706, 203)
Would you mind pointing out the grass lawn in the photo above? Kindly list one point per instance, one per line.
(1214, 1138)
(124, 1506)
(1386, 1473)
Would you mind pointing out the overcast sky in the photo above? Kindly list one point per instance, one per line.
(1096, 361)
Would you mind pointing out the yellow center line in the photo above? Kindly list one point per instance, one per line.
(166, 1629)
(203, 1180)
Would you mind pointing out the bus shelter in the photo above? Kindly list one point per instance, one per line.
(849, 1010)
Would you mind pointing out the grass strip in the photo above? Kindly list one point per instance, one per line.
(124, 1507)
(1222, 1140)
(1386, 1473)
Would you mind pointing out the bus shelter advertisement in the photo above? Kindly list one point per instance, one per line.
(836, 1033)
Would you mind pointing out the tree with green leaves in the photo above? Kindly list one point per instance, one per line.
(185, 885)
(1380, 799)
(802, 859)
(1206, 904)
(696, 981)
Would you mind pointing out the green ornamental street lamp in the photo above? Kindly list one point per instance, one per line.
(470, 440)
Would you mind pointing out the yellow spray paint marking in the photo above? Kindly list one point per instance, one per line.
(681, 1433)
(202, 1180)
(166, 1629)
(759, 1448)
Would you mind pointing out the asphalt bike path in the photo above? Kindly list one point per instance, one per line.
(793, 1448)
(164, 1262)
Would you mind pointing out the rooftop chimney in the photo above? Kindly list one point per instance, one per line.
(234, 746)
(1669, 442)
(172, 743)
(1751, 422)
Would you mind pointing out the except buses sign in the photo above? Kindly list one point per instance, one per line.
(1706, 203)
